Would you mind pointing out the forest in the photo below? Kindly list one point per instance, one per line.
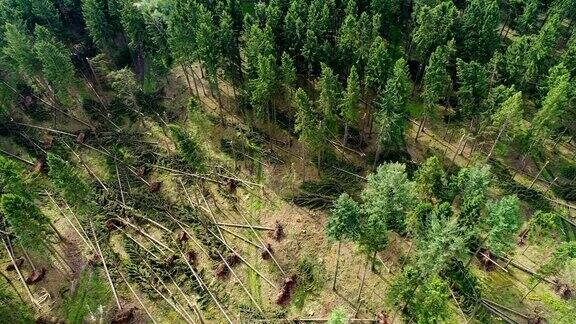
(287, 161)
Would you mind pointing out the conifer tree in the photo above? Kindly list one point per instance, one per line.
(434, 27)
(262, 88)
(329, 98)
(350, 106)
(436, 81)
(287, 75)
(387, 198)
(46, 14)
(343, 224)
(71, 186)
(17, 48)
(553, 105)
(478, 29)
(430, 179)
(379, 65)
(507, 119)
(473, 88)
(102, 24)
(27, 222)
(57, 66)
(306, 124)
(503, 222)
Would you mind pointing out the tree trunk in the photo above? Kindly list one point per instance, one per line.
(345, 139)
(337, 265)
(377, 155)
(497, 139)
(420, 127)
(34, 302)
(187, 79)
(538, 175)
(361, 288)
(11, 284)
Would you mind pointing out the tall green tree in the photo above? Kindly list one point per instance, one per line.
(329, 98)
(307, 121)
(27, 222)
(434, 27)
(287, 76)
(436, 81)
(508, 120)
(17, 49)
(343, 224)
(350, 106)
(379, 65)
(263, 87)
(504, 221)
(555, 103)
(430, 179)
(473, 83)
(478, 29)
(57, 66)
(387, 197)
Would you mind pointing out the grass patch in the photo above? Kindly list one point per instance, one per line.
(90, 298)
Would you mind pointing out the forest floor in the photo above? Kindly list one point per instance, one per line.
(265, 200)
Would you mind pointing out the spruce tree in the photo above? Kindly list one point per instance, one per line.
(350, 106)
(188, 148)
(66, 179)
(343, 224)
(504, 221)
(328, 100)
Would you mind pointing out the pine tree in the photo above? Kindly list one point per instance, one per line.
(553, 105)
(343, 224)
(287, 75)
(434, 27)
(388, 197)
(46, 14)
(66, 179)
(471, 184)
(329, 98)
(430, 179)
(17, 48)
(258, 41)
(57, 66)
(100, 22)
(349, 109)
(503, 221)
(27, 222)
(379, 65)
(306, 124)
(348, 41)
(473, 81)
(508, 119)
(436, 81)
(263, 87)
(478, 29)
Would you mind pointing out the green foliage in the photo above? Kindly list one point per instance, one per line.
(14, 311)
(478, 29)
(434, 27)
(264, 85)
(329, 98)
(344, 221)
(430, 179)
(287, 72)
(503, 221)
(418, 219)
(258, 41)
(17, 49)
(56, 63)
(338, 316)
(425, 300)
(188, 147)
(124, 84)
(66, 179)
(306, 124)
(311, 277)
(351, 101)
(473, 87)
(379, 65)
(26, 221)
(100, 21)
(11, 180)
(91, 297)
(509, 116)
(553, 105)
(472, 186)
(436, 78)
(563, 254)
(387, 198)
